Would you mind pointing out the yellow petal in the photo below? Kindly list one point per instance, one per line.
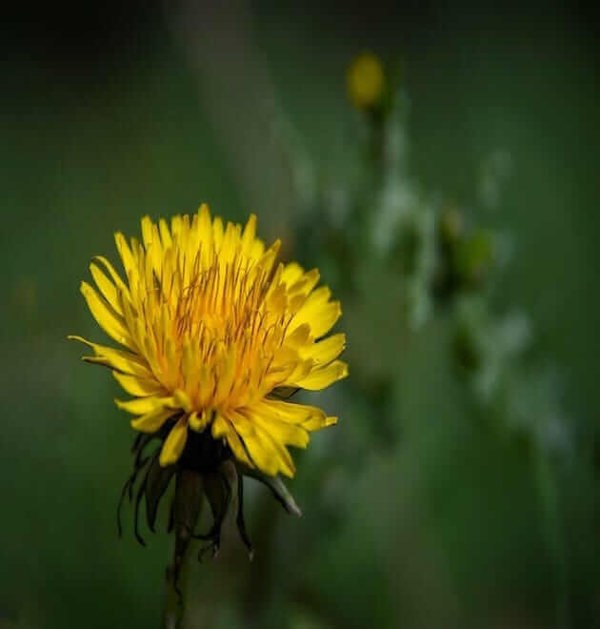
(189, 367)
(218, 232)
(299, 337)
(289, 412)
(151, 422)
(129, 262)
(204, 227)
(268, 455)
(174, 443)
(320, 313)
(287, 373)
(143, 405)
(117, 359)
(107, 288)
(323, 320)
(316, 423)
(292, 272)
(106, 317)
(322, 378)
(153, 246)
(280, 431)
(249, 234)
(150, 234)
(165, 234)
(199, 422)
(326, 350)
(226, 377)
(114, 276)
(222, 428)
(140, 387)
(309, 417)
(182, 399)
(304, 284)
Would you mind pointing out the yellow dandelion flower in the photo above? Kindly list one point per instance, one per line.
(211, 328)
(365, 81)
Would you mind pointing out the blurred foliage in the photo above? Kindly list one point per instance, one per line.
(456, 221)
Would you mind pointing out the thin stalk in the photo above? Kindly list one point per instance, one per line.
(554, 534)
(187, 504)
(175, 592)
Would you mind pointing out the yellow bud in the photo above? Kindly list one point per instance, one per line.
(365, 81)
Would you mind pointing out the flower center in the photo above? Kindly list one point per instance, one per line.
(224, 332)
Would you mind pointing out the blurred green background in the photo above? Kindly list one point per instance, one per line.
(421, 509)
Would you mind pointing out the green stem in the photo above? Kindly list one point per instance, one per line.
(549, 499)
(189, 494)
(175, 592)
(173, 602)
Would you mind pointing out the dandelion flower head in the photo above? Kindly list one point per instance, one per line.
(211, 327)
(365, 81)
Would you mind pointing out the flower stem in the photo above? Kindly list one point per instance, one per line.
(189, 494)
(176, 586)
(549, 498)
(173, 602)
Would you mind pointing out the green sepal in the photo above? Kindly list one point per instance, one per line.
(277, 487)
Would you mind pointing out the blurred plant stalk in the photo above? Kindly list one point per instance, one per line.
(238, 97)
(378, 220)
